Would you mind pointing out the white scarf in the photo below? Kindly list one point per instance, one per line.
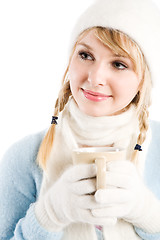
(80, 129)
(75, 129)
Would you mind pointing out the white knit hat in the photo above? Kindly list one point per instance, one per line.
(139, 19)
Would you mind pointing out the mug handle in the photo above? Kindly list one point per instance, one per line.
(101, 172)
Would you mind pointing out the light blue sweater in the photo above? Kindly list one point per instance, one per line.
(20, 182)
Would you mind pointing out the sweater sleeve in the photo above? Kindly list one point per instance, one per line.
(147, 236)
(29, 229)
(20, 180)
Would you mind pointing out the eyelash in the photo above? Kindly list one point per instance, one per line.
(119, 63)
(82, 53)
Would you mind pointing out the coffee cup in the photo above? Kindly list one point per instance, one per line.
(100, 156)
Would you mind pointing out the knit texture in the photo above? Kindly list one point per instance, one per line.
(82, 129)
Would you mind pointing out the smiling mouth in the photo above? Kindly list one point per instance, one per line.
(95, 96)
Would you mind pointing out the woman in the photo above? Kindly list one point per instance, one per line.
(104, 101)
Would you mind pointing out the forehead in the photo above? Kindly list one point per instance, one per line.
(89, 38)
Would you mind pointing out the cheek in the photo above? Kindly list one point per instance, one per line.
(73, 69)
(75, 81)
(128, 87)
(77, 75)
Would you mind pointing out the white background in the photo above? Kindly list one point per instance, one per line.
(34, 39)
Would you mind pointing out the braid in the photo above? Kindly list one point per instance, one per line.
(143, 126)
(143, 103)
(46, 145)
(63, 98)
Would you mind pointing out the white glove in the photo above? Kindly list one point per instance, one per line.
(70, 200)
(126, 197)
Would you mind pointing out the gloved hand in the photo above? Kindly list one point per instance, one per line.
(70, 200)
(126, 197)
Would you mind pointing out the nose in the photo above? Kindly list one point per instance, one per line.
(99, 75)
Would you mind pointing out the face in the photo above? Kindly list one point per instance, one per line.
(102, 83)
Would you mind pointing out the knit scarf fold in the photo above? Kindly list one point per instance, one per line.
(77, 129)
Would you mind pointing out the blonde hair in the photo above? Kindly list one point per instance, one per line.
(122, 45)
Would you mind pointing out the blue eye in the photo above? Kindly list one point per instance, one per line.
(85, 56)
(119, 65)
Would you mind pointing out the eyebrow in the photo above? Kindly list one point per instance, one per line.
(85, 45)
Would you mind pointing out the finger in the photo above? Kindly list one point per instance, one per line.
(113, 211)
(83, 187)
(80, 171)
(111, 196)
(87, 217)
(121, 166)
(87, 202)
(119, 180)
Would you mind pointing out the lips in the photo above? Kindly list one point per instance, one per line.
(95, 96)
